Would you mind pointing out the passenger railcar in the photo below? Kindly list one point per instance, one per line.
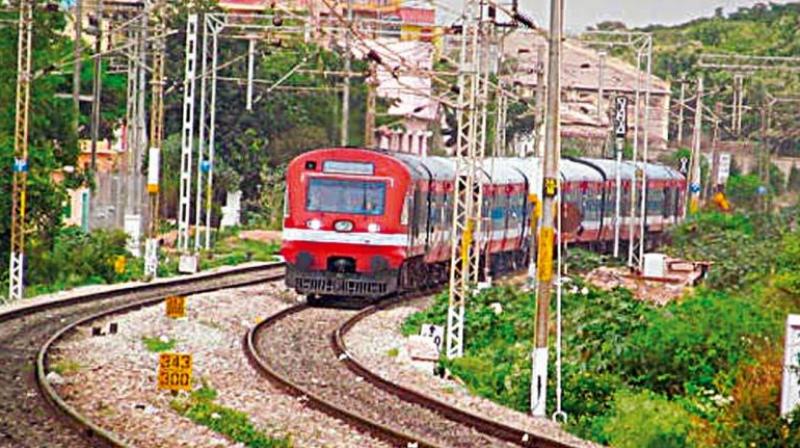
(369, 223)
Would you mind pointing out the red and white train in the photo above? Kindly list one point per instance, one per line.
(368, 223)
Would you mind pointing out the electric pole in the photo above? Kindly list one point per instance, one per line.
(600, 80)
(711, 185)
(466, 194)
(76, 64)
(541, 91)
(187, 136)
(549, 193)
(681, 108)
(694, 169)
(156, 138)
(347, 66)
(369, 124)
(20, 181)
(97, 86)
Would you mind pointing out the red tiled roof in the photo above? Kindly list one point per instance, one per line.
(417, 15)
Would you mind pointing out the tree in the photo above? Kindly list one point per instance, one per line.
(794, 180)
(52, 140)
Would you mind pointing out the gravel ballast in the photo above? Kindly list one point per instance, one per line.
(111, 379)
(377, 343)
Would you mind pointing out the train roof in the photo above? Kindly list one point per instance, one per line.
(579, 170)
(514, 170)
(609, 168)
(503, 171)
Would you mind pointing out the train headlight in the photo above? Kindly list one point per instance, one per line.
(373, 228)
(314, 224)
(343, 226)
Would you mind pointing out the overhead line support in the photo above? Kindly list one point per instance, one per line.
(21, 135)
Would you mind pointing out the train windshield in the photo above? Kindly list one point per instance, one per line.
(346, 196)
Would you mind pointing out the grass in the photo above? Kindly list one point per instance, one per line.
(227, 250)
(236, 425)
(156, 345)
(233, 250)
(65, 367)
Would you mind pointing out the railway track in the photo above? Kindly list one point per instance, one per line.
(31, 414)
(302, 350)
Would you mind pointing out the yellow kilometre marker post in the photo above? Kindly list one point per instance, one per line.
(175, 371)
(175, 306)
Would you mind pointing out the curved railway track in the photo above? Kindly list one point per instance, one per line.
(31, 414)
(302, 350)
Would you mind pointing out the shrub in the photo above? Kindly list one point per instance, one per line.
(76, 258)
(742, 247)
(742, 191)
(696, 342)
(647, 420)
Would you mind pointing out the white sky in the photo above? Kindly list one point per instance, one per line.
(583, 13)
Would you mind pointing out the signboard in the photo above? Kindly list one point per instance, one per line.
(153, 164)
(684, 168)
(550, 187)
(175, 306)
(337, 167)
(187, 264)
(724, 168)
(545, 256)
(790, 391)
(175, 371)
(433, 332)
(620, 116)
(20, 166)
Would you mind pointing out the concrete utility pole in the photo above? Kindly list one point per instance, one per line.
(76, 63)
(600, 80)
(369, 121)
(765, 157)
(694, 169)
(16, 275)
(549, 192)
(347, 67)
(541, 92)
(681, 108)
(97, 85)
(156, 138)
(711, 185)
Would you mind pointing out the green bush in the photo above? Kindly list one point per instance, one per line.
(742, 191)
(742, 247)
(647, 420)
(77, 258)
(697, 343)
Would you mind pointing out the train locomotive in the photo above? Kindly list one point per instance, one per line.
(367, 223)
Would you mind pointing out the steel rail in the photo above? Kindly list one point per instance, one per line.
(315, 401)
(154, 293)
(495, 429)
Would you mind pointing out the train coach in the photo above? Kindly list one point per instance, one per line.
(366, 223)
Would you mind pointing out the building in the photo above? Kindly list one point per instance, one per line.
(582, 125)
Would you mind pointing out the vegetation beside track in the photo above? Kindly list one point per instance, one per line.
(703, 371)
(236, 425)
(77, 258)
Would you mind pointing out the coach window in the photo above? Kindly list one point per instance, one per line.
(668, 205)
(346, 196)
(655, 201)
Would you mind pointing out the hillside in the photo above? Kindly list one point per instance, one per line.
(761, 30)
